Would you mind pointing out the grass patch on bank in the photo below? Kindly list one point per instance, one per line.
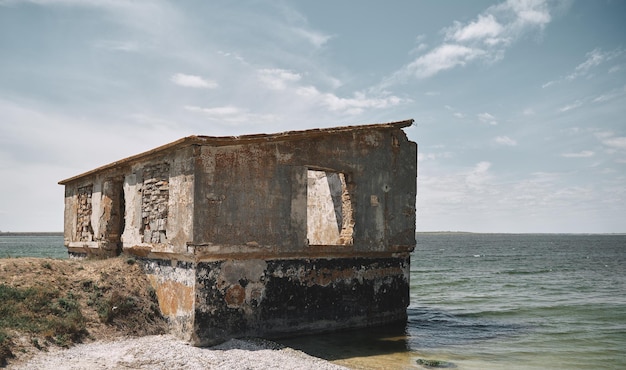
(46, 302)
(41, 311)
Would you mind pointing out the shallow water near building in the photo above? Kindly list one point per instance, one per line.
(496, 301)
(480, 301)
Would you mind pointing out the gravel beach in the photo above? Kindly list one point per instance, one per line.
(167, 352)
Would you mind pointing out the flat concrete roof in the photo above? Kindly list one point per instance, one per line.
(238, 140)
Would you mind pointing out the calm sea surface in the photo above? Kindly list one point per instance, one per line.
(501, 301)
(481, 301)
(32, 245)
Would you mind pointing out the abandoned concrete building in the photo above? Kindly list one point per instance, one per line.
(260, 235)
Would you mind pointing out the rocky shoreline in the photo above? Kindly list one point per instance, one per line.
(167, 352)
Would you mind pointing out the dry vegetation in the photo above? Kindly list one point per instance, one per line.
(47, 302)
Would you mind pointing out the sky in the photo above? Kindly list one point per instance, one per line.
(519, 105)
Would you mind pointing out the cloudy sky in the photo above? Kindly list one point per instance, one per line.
(519, 105)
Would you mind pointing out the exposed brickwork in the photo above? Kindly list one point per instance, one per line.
(347, 222)
(84, 230)
(155, 195)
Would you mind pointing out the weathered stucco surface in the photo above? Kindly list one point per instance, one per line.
(174, 283)
(261, 234)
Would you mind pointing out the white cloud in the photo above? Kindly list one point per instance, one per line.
(505, 140)
(433, 156)
(528, 112)
(528, 13)
(582, 154)
(480, 199)
(197, 82)
(420, 47)
(485, 28)
(615, 142)
(459, 115)
(444, 57)
(126, 46)
(615, 93)
(594, 59)
(569, 107)
(316, 38)
(603, 134)
(485, 38)
(487, 118)
(354, 105)
(232, 115)
(277, 79)
(479, 175)
(571, 130)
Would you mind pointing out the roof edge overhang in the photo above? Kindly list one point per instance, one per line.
(239, 140)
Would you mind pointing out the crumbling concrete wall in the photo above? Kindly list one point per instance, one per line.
(257, 194)
(159, 204)
(94, 217)
(264, 235)
(175, 285)
(273, 298)
(145, 206)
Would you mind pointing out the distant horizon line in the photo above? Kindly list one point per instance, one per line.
(31, 233)
(60, 233)
(520, 233)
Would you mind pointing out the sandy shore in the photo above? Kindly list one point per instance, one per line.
(168, 352)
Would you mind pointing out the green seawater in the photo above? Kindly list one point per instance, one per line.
(500, 301)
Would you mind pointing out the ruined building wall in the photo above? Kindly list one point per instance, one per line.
(94, 212)
(266, 264)
(159, 204)
(271, 237)
(147, 205)
(256, 195)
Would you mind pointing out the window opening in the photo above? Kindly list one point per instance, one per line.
(329, 209)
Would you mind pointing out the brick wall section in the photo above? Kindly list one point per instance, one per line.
(347, 226)
(155, 195)
(84, 230)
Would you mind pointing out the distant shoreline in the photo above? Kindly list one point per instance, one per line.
(39, 233)
(507, 233)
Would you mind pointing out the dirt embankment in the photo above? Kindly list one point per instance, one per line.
(107, 312)
(58, 303)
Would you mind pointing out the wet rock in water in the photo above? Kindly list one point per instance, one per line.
(435, 364)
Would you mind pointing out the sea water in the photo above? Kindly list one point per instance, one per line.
(481, 301)
(500, 301)
(43, 245)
